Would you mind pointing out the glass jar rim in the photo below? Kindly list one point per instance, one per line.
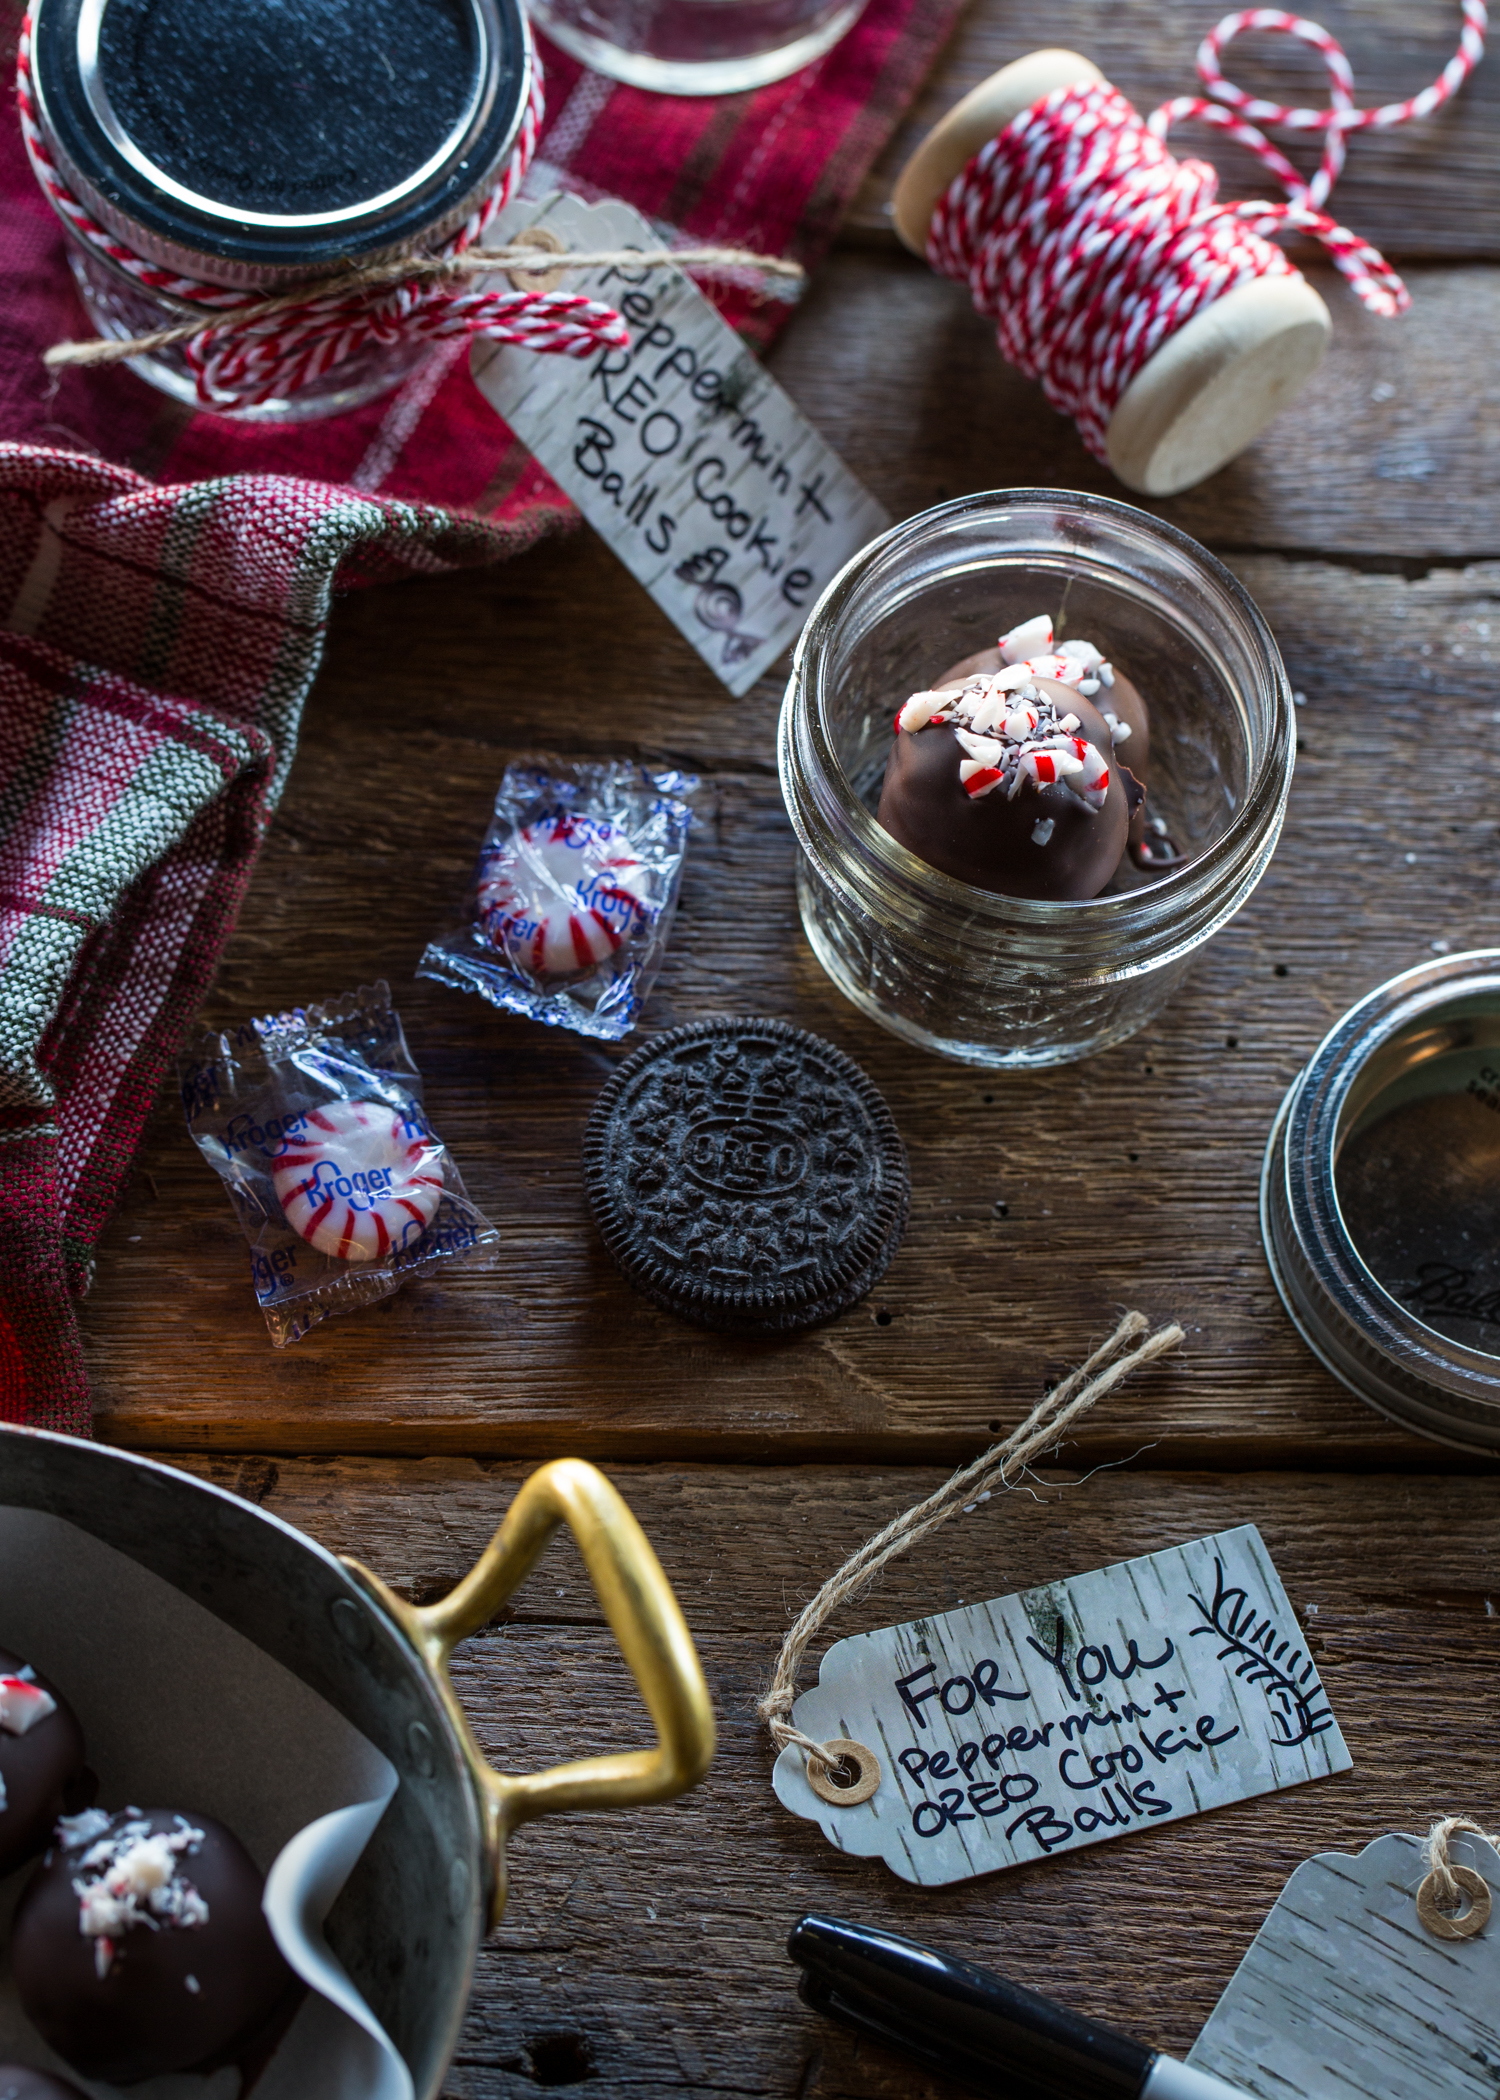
(1378, 1347)
(1186, 892)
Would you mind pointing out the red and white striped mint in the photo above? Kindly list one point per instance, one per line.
(1093, 782)
(1057, 762)
(564, 894)
(919, 710)
(22, 1705)
(358, 1179)
(1031, 638)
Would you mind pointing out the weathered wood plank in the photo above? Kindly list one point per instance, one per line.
(1393, 448)
(1428, 189)
(1020, 1247)
(654, 1940)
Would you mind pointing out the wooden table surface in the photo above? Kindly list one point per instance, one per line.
(645, 1952)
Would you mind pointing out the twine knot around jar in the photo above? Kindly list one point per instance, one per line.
(245, 348)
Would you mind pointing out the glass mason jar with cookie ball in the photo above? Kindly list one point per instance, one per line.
(1018, 981)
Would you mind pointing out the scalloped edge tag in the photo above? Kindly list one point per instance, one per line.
(1344, 1994)
(683, 452)
(1119, 1700)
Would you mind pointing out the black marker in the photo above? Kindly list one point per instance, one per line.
(977, 2028)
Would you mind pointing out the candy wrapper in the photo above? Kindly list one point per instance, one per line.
(315, 1123)
(568, 913)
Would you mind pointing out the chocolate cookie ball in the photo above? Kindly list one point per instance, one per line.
(1042, 841)
(1120, 700)
(17, 2083)
(41, 1760)
(140, 1946)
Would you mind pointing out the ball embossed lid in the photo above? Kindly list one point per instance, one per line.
(250, 141)
(746, 1175)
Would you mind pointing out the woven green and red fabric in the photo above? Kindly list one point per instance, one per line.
(156, 647)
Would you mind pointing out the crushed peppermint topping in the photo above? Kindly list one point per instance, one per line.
(129, 1875)
(1011, 732)
(23, 1704)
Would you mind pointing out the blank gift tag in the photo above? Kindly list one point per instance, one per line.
(683, 452)
(1346, 1995)
(1119, 1700)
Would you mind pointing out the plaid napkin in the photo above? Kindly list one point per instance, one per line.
(157, 642)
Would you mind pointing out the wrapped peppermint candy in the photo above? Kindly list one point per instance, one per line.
(577, 880)
(315, 1122)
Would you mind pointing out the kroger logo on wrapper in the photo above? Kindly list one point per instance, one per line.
(317, 1127)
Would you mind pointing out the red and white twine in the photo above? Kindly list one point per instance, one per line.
(239, 364)
(1089, 245)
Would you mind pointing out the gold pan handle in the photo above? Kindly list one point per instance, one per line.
(646, 1621)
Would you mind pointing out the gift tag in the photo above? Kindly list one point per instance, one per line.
(1346, 1994)
(683, 452)
(1119, 1700)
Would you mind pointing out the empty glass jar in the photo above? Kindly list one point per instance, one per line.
(1003, 981)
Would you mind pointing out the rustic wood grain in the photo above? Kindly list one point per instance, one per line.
(1428, 189)
(654, 1941)
(1020, 1246)
(1391, 452)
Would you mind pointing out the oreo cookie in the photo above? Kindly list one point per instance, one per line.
(746, 1175)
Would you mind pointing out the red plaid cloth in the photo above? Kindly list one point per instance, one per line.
(157, 643)
(157, 648)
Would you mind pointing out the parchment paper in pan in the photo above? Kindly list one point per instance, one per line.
(181, 1712)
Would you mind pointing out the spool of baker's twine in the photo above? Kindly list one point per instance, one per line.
(846, 1773)
(1165, 323)
(252, 349)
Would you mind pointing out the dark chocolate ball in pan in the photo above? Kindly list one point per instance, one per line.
(1042, 842)
(41, 1760)
(17, 2082)
(140, 1946)
(746, 1176)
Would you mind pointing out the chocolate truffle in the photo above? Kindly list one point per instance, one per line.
(17, 2083)
(140, 1946)
(41, 1760)
(1023, 770)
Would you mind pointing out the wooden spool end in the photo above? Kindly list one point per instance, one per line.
(953, 142)
(1212, 387)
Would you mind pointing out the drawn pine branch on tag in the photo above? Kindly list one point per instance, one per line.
(1261, 1656)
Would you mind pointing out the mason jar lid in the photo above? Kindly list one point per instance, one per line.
(1380, 1200)
(254, 142)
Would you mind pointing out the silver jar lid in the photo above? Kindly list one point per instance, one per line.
(1380, 1200)
(255, 142)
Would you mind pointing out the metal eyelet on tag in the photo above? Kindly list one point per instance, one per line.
(866, 1766)
(1442, 1924)
(538, 280)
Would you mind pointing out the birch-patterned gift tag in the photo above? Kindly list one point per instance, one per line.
(1115, 1701)
(1346, 1994)
(683, 452)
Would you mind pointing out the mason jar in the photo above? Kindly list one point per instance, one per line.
(1006, 981)
(260, 148)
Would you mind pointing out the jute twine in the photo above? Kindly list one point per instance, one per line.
(1447, 1886)
(999, 1467)
(527, 262)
